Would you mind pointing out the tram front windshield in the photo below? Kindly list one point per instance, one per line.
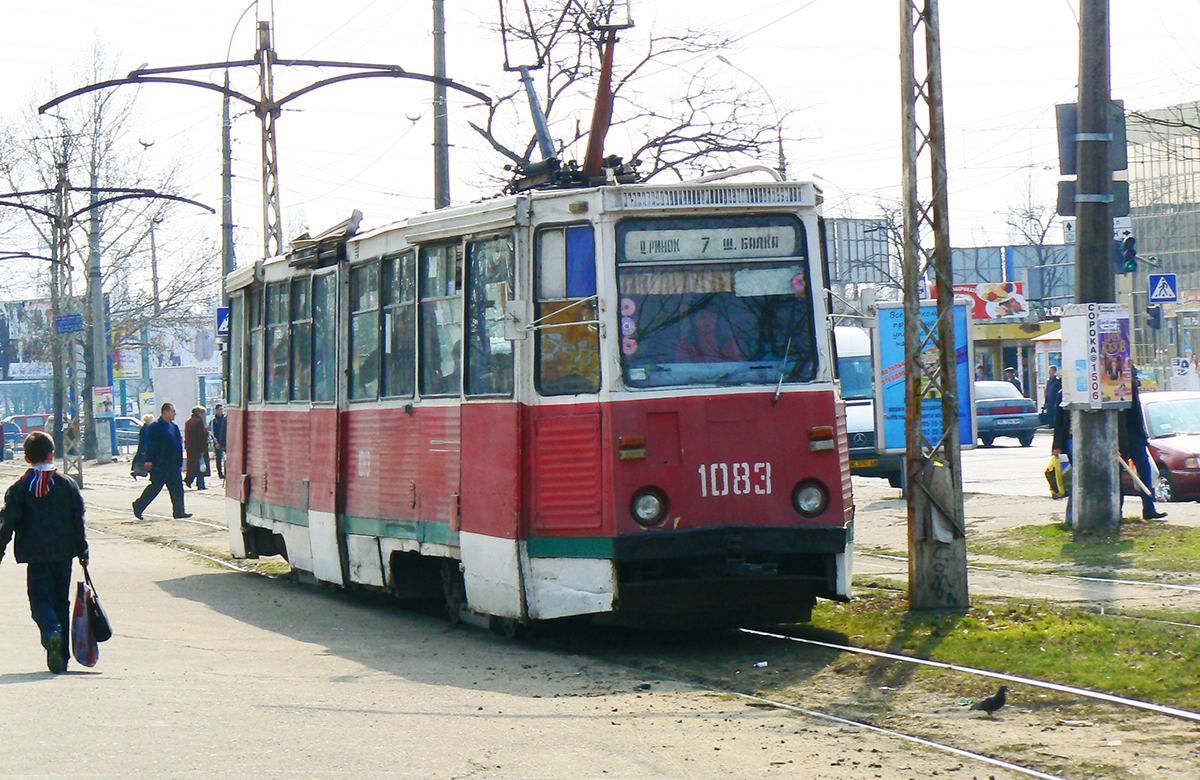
(726, 324)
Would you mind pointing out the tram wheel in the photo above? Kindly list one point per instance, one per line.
(454, 591)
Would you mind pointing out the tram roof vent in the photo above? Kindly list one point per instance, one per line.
(708, 196)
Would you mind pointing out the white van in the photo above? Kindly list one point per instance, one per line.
(857, 375)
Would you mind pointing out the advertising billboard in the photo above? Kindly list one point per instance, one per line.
(891, 381)
(1097, 366)
(995, 300)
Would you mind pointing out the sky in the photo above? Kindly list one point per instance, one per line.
(829, 66)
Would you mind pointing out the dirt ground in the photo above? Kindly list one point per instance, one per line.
(701, 734)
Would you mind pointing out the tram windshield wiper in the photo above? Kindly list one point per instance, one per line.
(782, 370)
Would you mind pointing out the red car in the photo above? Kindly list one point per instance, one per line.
(28, 423)
(1173, 426)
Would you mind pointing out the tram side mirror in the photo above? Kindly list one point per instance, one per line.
(516, 323)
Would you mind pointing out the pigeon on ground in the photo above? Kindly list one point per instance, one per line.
(992, 703)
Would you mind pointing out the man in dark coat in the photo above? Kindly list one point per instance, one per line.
(1053, 396)
(1131, 443)
(1010, 376)
(45, 511)
(164, 458)
(220, 427)
(195, 444)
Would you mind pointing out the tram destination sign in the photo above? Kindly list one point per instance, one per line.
(709, 243)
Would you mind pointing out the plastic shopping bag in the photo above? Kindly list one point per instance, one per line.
(1058, 475)
(83, 641)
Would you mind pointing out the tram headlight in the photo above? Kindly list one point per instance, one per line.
(649, 506)
(810, 498)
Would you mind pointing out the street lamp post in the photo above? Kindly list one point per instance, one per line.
(782, 167)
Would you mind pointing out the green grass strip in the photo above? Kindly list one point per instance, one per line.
(1129, 658)
(1151, 546)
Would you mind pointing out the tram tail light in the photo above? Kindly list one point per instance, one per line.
(631, 447)
(820, 437)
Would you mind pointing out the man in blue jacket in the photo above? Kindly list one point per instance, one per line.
(163, 459)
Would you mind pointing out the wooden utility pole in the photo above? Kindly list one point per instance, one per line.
(1096, 488)
(937, 548)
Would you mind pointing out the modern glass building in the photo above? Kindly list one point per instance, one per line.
(1164, 195)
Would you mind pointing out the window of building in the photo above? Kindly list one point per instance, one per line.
(236, 341)
(255, 361)
(278, 355)
(399, 325)
(364, 332)
(324, 352)
(489, 288)
(440, 309)
(302, 331)
(568, 336)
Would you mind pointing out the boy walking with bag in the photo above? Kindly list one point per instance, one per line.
(45, 511)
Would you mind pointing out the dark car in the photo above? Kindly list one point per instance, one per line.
(1173, 427)
(1001, 410)
(127, 429)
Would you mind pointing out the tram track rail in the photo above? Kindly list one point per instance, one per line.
(1159, 709)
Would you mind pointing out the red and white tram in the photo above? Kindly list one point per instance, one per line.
(611, 401)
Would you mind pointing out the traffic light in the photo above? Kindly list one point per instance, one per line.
(1154, 316)
(1129, 258)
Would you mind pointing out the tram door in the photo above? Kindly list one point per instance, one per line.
(321, 333)
(491, 458)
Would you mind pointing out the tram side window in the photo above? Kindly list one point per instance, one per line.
(441, 319)
(364, 332)
(301, 340)
(399, 325)
(324, 353)
(489, 288)
(236, 340)
(255, 361)
(278, 354)
(568, 337)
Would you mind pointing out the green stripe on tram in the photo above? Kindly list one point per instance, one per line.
(427, 531)
(277, 512)
(571, 547)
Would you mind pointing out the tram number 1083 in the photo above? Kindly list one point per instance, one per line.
(739, 479)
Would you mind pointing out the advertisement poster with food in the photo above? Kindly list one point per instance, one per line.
(994, 300)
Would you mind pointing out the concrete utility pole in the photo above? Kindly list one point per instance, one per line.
(937, 548)
(1097, 490)
(441, 129)
(100, 426)
(58, 253)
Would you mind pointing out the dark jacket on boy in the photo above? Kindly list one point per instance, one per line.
(45, 511)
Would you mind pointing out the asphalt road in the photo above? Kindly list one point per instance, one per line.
(217, 673)
(1007, 468)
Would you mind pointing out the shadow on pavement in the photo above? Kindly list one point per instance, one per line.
(560, 658)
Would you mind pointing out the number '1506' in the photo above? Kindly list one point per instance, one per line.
(739, 479)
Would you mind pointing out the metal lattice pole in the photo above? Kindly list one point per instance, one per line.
(937, 551)
(268, 112)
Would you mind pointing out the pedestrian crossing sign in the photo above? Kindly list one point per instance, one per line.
(1163, 288)
(222, 322)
